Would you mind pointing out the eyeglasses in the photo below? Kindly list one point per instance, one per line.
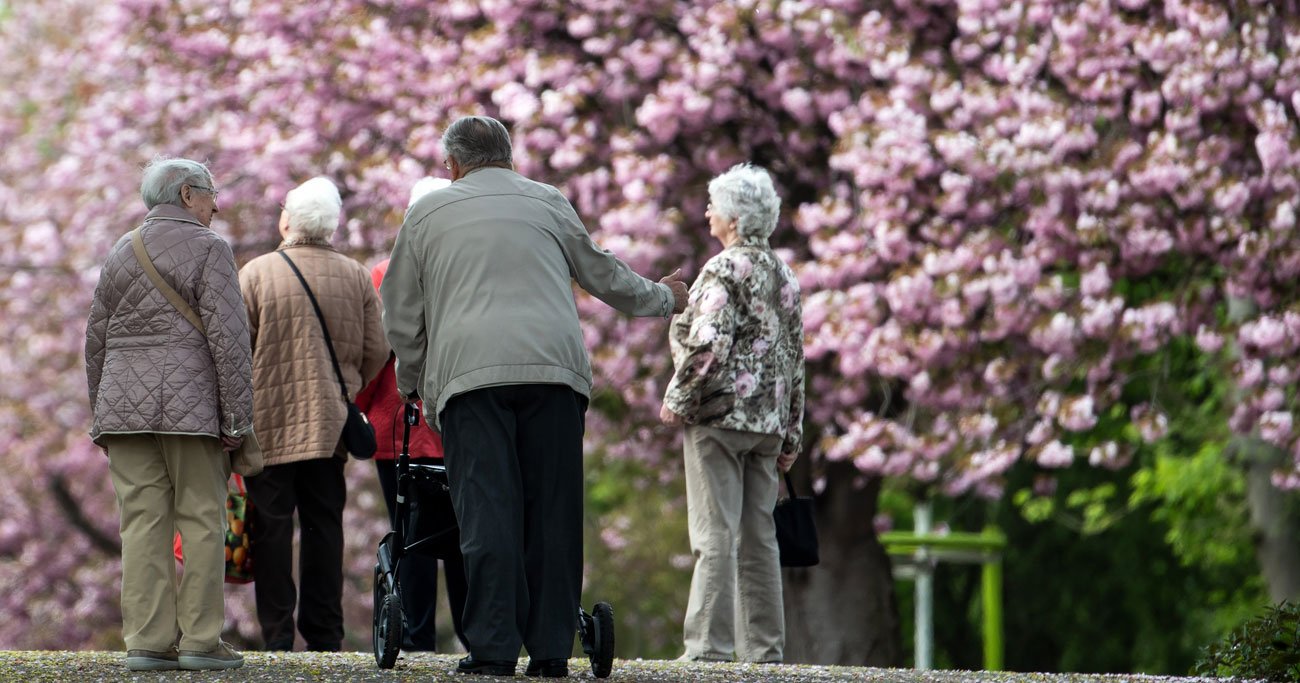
(212, 191)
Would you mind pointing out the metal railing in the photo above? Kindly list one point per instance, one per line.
(919, 552)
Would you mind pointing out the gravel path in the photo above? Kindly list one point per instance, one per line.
(298, 667)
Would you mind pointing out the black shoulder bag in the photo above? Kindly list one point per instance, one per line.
(358, 434)
(796, 529)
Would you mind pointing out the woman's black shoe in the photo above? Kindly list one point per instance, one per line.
(547, 668)
(486, 667)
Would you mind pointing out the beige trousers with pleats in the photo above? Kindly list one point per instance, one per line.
(735, 607)
(167, 483)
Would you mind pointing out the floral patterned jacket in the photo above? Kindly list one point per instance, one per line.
(738, 347)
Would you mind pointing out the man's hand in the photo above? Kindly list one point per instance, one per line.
(680, 292)
(785, 460)
(668, 417)
(230, 443)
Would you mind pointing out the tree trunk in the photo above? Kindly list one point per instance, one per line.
(1274, 518)
(843, 611)
(1273, 515)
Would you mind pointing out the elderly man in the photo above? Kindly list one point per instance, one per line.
(315, 324)
(479, 308)
(170, 398)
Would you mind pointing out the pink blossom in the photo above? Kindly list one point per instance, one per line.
(1056, 455)
(1266, 333)
(1077, 414)
(1208, 340)
(1107, 455)
(1152, 424)
(1275, 427)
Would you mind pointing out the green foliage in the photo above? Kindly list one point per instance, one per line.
(1266, 648)
(638, 553)
(1134, 570)
(1201, 498)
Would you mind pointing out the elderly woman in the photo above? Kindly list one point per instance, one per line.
(738, 387)
(170, 399)
(299, 412)
(418, 573)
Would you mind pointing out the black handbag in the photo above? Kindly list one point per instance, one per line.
(796, 529)
(358, 435)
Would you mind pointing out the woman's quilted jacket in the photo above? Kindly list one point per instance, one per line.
(299, 407)
(148, 368)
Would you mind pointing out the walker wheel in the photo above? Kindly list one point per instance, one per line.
(602, 659)
(387, 627)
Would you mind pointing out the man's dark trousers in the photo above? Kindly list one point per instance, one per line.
(514, 459)
(317, 490)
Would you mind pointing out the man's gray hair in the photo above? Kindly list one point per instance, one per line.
(165, 176)
(475, 141)
(745, 193)
(314, 208)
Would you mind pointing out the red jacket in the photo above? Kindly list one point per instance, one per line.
(381, 403)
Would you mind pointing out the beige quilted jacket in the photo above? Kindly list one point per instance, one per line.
(148, 368)
(299, 410)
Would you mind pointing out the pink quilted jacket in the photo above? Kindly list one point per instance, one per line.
(148, 368)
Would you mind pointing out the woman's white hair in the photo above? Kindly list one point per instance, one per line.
(424, 186)
(745, 193)
(314, 208)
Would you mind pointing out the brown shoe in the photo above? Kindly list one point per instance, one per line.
(222, 657)
(152, 660)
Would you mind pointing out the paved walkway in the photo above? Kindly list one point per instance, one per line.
(298, 667)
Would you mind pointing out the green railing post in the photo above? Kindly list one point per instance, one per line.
(984, 548)
(991, 578)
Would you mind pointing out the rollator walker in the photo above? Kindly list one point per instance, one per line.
(423, 496)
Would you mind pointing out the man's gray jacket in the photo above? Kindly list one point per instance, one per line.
(479, 289)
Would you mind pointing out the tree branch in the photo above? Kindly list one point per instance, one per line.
(63, 498)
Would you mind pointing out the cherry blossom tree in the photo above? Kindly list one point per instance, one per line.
(1002, 213)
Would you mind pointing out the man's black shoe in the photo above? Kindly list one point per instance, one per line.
(547, 668)
(486, 667)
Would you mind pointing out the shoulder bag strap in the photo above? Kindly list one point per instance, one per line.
(789, 486)
(323, 327)
(174, 297)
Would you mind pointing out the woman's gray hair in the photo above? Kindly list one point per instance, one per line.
(745, 193)
(165, 176)
(475, 141)
(314, 208)
(424, 186)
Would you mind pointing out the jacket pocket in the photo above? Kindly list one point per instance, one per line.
(136, 341)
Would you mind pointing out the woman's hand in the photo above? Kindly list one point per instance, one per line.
(785, 460)
(668, 417)
(230, 443)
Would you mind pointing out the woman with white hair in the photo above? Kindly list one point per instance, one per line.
(738, 388)
(418, 572)
(299, 411)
